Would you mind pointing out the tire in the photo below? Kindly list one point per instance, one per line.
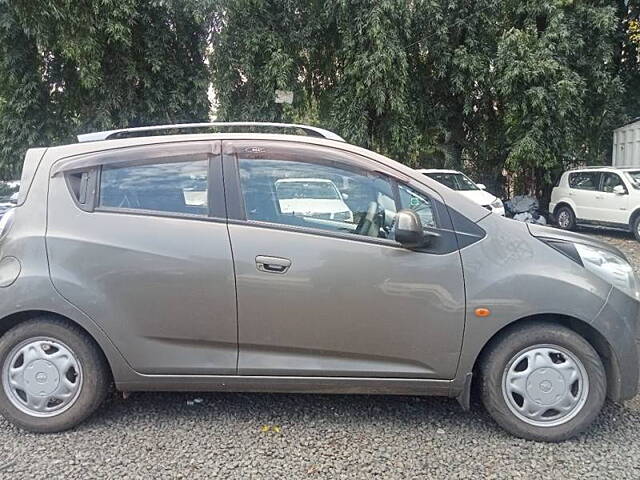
(64, 393)
(506, 366)
(565, 218)
(635, 227)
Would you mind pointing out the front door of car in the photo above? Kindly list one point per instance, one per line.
(137, 239)
(612, 206)
(330, 293)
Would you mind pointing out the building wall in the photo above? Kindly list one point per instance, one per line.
(626, 145)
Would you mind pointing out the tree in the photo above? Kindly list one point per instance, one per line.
(533, 86)
(69, 67)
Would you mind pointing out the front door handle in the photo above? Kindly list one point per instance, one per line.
(272, 264)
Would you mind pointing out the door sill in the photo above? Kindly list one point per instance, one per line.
(281, 384)
(620, 227)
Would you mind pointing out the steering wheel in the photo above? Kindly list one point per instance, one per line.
(367, 222)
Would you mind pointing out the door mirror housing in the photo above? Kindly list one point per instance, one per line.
(481, 186)
(408, 229)
(619, 190)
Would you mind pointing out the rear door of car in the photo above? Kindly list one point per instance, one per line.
(137, 239)
(325, 293)
(584, 187)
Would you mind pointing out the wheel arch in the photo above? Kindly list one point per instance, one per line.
(595, 338)
(633, 217)
(563, 203)
(14, 319)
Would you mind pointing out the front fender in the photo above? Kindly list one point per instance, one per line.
(517, 276)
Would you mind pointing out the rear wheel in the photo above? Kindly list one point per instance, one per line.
(543, 382)
(53, 375)
(565, 218)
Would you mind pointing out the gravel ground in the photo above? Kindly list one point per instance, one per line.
(316, 436)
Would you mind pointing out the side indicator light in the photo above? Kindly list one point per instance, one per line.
(482, 312)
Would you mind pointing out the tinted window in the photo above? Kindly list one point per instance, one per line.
(611, 180)
(584, 180)
(162, 187)
(327, 196)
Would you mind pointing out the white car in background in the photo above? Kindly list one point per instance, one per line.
(458, 181)
(312, 197)
(602, 197)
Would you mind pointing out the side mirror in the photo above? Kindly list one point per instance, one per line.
(408, 229)
(619, 190)
(345, 196)
(481, 186)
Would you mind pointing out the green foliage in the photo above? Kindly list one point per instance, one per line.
(67, 67)
(530, 86)
(533, 87)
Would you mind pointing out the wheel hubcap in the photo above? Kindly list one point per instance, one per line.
(563, 219)
(545, 385)
(42, 377)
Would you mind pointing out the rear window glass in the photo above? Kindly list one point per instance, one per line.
(584, 180)
(163, 187)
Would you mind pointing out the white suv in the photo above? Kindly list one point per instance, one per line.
(605, 197)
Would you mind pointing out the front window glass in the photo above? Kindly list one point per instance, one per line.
(455, 181)
(163, 187)
(326, 196)
(419, 203)
(610, 181)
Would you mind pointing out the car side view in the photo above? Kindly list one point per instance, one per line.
(154, 261)
(600, 197)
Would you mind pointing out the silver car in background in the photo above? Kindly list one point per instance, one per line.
(167, 262)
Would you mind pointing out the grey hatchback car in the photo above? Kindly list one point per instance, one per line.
(165, 258)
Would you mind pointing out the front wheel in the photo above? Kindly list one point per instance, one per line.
(543, 382)
(53, 375)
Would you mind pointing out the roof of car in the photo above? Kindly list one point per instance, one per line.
(607, 168)
(47, 157)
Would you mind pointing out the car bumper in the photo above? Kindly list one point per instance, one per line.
(618, 322)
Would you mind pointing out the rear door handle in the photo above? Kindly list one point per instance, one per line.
(272, 264)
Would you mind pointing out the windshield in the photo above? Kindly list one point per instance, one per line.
(455, 181)
(634, 176)
(307, 190)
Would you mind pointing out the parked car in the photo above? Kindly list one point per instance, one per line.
(476, 192)
(110, 274)
(312, 197)
(601, 197)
